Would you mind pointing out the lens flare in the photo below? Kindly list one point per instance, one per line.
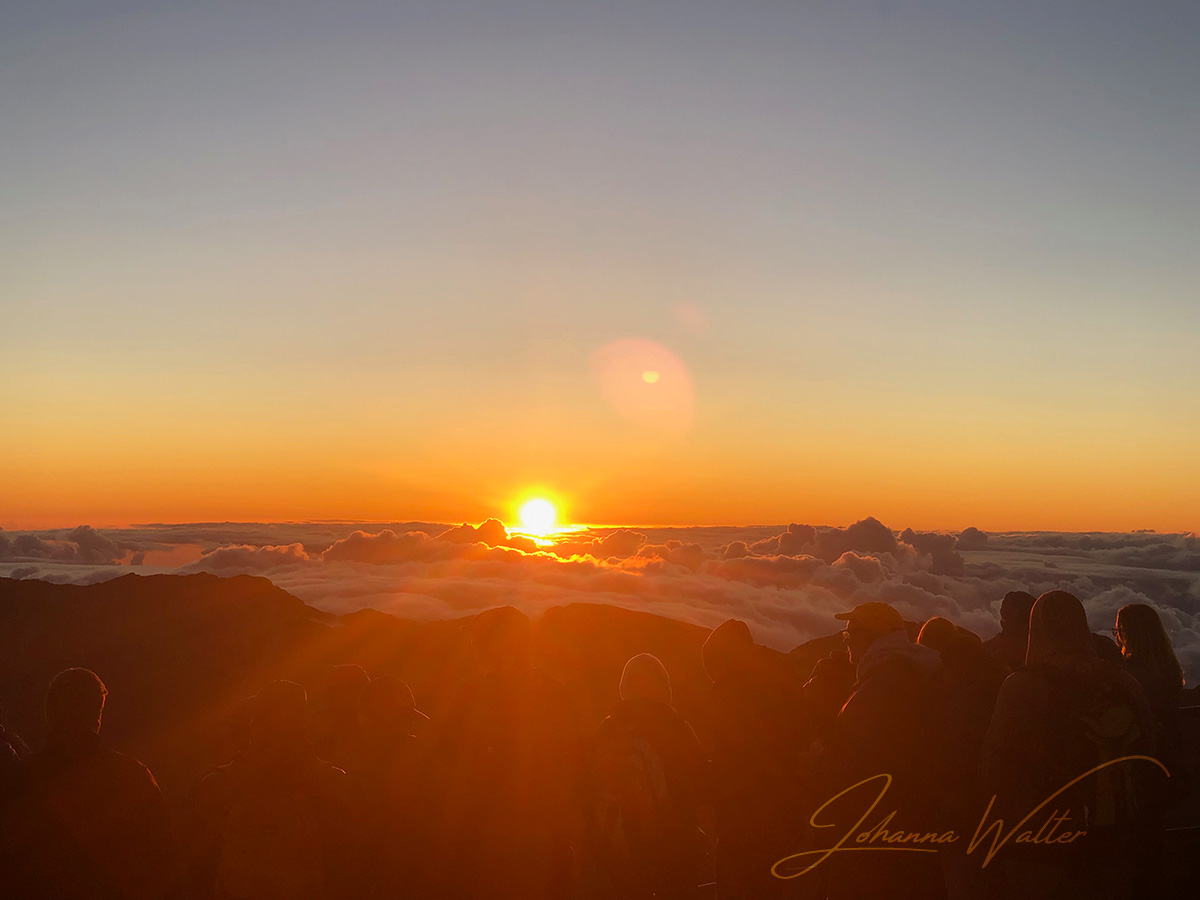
(646, 383)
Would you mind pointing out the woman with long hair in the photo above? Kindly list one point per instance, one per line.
(1147, 651)
(1147, 656)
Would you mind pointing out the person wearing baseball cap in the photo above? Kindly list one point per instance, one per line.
(865, 623)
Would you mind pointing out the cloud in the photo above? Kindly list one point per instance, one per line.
(383, 547)
(83, 544)
(735, 550)
(786, 582)
(972, 539)
(31, 546)
(93, 547)
(492, 532)
(943, 558)
(248, 559)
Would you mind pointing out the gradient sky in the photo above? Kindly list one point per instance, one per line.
(932, 262)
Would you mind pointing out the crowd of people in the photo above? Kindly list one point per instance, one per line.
(891, 744)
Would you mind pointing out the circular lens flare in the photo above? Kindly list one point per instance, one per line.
(645, 383)
(538, 517)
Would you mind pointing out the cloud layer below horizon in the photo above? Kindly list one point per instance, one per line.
(786, 582)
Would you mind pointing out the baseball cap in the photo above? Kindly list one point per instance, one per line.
(873, 616)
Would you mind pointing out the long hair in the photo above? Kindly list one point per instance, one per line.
(1144, 641)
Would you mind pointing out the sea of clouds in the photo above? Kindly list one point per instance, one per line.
(786, 582)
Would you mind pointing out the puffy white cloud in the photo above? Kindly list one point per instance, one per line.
(248, 559)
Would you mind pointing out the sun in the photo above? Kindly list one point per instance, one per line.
(538, 516)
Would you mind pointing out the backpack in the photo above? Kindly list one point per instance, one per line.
(271, 847)
(631, 812)
(1095, 721)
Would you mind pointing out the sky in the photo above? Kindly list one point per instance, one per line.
(931, 262)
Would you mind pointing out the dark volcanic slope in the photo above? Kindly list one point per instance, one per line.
(181, 653)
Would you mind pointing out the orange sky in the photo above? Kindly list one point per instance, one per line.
(116, 467)
(938, 271)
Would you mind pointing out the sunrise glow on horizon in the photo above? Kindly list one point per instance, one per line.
(812, 264)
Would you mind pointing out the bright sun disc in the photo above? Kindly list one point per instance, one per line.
(538, 517)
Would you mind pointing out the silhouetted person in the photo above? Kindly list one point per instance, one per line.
(1010, 644)
(891, 724)
(1065, 713)
(1147, 655)
(512, 758)
(9, 738)
(391, 789)
(340, 740)
(758, 733)
(827, 690)
(88, 823)
(643, 784)
(970, 680)
(12, 751)
(272, 824)
(1106, 648)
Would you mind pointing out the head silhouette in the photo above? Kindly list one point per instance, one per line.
(865, 624)
(280, 715)
(939, 634)
(75, 702)
(342, 688)
(501, 638)
(386, 707)
(645, 678)
(1014, 613)
(1058, 630)
(1142, 639)
(728, 651)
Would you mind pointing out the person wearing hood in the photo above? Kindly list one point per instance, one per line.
(1067, 713)
(757, 731)
(891, 725)
(644, 788)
